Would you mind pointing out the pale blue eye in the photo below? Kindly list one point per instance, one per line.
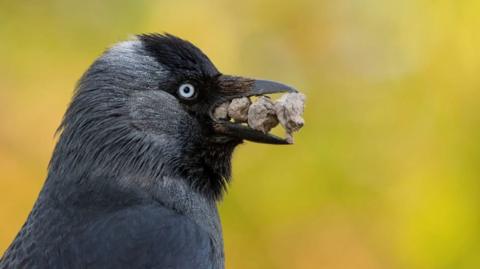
(186, 91)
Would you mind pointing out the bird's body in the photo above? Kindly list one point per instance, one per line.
(137, 232)
(139, 165)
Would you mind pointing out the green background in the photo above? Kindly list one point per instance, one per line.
(385, 173)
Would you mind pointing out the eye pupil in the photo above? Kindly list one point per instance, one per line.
(186, 91)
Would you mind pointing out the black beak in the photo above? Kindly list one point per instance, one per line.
(235, 87)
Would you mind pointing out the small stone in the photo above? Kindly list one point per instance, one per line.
(289, 109)
(221, 112)
(261, 115)
(238, 109)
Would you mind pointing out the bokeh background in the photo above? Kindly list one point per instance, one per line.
(384, 175)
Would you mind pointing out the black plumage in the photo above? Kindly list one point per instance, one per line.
(138, 168)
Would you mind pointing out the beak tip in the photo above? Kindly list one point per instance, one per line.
(267, 86)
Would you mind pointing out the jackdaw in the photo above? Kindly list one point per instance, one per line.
(140, 163)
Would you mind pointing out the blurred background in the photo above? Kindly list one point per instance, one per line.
(385, 173)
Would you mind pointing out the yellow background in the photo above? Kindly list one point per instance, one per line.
(385, 173)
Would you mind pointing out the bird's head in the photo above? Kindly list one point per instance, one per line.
(145, 109)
